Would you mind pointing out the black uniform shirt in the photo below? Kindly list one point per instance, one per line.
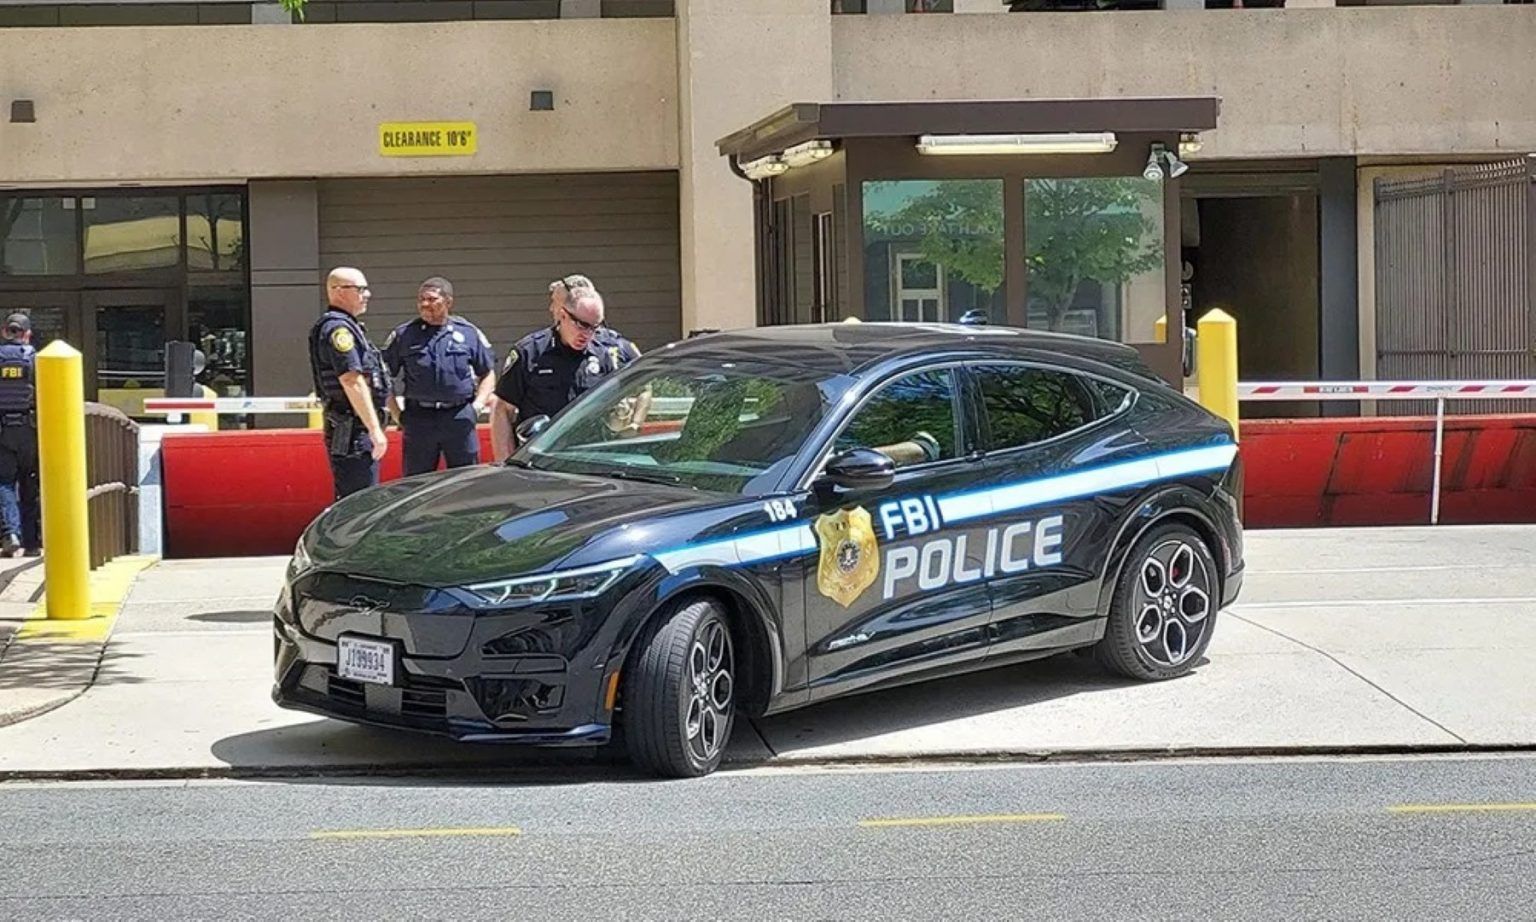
(441, 365)
(339, 344)
(542, 374)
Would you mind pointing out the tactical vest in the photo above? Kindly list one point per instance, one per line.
(327, 383)
(18, 392)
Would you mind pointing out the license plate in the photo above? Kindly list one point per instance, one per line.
(365, 660)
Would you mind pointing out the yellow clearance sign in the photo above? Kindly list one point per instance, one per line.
(427, 139)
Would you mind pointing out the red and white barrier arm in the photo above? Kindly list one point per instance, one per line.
(1385, 390)
(229, 405)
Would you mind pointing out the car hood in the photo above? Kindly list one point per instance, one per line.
(482, 523)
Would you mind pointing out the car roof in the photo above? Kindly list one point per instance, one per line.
(851, 348)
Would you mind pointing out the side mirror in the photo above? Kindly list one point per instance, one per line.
(531, 427)
(860, 469)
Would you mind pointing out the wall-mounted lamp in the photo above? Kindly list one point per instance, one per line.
(541, 101)
(1066, 143)
(1156, 160)
(1189, 143)
(807, 153)
(22, 111)
(764, 167)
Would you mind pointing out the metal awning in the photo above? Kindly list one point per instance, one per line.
(801, 122)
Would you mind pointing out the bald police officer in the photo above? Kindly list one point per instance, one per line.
(350, 381)
(549, 368)
(447, 374)
(18, 439)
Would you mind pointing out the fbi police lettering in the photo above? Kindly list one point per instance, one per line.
(942, 560)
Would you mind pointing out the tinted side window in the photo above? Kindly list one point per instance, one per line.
(1026, 405)
(912, 419)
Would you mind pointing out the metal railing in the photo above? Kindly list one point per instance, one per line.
(1438, 391)
(111, 465)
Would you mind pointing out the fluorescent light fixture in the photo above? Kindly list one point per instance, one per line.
(764, 167)
(807, 153)
(1068, 143)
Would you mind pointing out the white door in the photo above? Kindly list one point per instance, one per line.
(918, 294)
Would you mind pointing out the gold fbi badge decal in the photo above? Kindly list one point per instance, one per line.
(849, 555)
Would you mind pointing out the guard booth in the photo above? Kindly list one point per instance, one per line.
(1051, 214)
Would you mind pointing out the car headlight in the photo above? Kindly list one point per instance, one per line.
(300, 561)
(585, 583)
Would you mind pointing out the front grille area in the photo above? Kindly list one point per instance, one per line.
(509, 700)
(424, 702)
(346, 692)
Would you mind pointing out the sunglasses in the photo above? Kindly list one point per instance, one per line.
(582, 324)
(356, 287)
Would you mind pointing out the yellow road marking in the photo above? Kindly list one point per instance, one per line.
(109, 589)
(965, 820)
(414, 833)
(1462, 808)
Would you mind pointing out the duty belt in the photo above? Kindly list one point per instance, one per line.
(437, 405)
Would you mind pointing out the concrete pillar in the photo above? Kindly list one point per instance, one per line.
(736, 63)
(1339, 273)
(286, 290)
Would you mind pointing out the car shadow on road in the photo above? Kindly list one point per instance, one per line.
(326, 751)
(941, 701)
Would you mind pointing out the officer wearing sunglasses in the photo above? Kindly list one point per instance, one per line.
(548, 369)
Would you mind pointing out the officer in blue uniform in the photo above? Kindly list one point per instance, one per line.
(448, 373)
(350, 381)
(549, 368)
(18, 439)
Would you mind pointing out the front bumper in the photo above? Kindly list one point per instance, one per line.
(456, 675)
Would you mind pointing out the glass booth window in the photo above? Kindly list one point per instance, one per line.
(37, 236)
(933, 249)
(131, 233)
(215, 232)
(216, 325)
(1094, 254)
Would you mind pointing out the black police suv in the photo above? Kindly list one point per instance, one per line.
(801, 512)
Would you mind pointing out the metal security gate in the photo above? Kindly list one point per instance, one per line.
(1454, 258)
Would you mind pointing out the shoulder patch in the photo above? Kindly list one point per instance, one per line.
(511, 360)
(391, 340)
(342, 341)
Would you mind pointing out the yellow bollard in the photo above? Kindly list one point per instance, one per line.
(316, 416)
(1160, 329)
(1216, 347)
(61, 464)
(207, 418)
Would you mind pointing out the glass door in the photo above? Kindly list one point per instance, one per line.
(54, 315)
(125, 361)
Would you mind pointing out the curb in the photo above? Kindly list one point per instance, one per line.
(605, 765)
(50, 645)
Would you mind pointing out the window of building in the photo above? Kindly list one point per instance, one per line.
(933, 249)
(1025, 405)
(912, 419)
(37, 236)
(1094, 252)
(893, 6)
(130, 233)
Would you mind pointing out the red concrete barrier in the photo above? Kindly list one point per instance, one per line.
(230, 494)
(1379, 471)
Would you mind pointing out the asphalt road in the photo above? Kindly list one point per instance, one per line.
(1427, 838)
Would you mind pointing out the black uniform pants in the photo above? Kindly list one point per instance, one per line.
(18, 485)
(351, 455)
(429, 434)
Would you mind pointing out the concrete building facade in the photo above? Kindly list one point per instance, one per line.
(173, 171)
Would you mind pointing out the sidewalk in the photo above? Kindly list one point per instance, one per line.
(1343, 641)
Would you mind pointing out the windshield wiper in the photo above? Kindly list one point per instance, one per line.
(517, 462)
(646, 477)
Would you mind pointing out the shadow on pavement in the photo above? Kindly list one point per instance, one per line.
(232, 617)
(41, 665)
(939, 701)
(333, 752)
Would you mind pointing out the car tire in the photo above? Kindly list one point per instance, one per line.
(680, 692)
(1164, 607)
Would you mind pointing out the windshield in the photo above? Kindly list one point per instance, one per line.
(723, 427)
